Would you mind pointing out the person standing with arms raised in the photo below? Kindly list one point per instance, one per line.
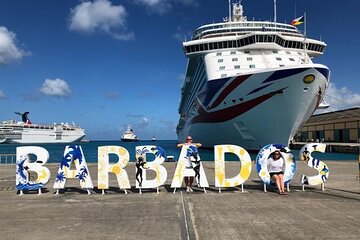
(189, 180)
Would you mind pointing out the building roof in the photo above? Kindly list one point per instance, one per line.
(345, 115)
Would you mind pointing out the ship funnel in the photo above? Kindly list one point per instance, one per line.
(24, 117)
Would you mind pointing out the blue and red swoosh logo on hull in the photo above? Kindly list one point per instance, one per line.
(228, 89)
(214, 87)
(236, 110)
(230, 112)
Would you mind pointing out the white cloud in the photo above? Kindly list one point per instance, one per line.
(55, 88)
(111, 95)
(142, 125)
(2, 94)
(100, 16)
(181, 77)
(163, 6)
(142, 122)
(340, 98)
(145, 120)
(153, 3)
(124, 36)
(180, 34)
(9, 52)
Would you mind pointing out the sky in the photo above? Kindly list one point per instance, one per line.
(105, 64)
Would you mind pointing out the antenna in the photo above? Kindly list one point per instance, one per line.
(305, 20)
(275, 11)
(229, 10)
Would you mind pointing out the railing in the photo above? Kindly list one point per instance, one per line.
(7, 167)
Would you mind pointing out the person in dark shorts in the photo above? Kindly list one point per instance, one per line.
(276, 163)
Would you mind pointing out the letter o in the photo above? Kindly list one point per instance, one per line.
(262, 162)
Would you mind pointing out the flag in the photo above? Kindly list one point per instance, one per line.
(297, 21)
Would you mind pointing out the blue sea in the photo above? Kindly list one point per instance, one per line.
(90, 149)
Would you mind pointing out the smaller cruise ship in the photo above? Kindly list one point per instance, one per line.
(27, 132)
(129, 136)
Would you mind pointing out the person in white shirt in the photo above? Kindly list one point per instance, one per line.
(276, 163)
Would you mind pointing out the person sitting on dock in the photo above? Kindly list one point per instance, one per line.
(276, 163)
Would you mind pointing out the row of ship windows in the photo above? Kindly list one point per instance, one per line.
(240, 26)
(250, 66)
(248, 52)
(238, 67)
(206, 31)
(250, 59)
(251, 40)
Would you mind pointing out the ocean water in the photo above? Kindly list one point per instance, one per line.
(90, 149)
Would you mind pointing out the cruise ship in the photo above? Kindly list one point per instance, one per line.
(25, 132)
(249, 83)
(129, 136)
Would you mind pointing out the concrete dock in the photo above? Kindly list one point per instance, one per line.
(231, 214)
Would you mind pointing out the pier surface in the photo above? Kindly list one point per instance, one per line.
(231, 214)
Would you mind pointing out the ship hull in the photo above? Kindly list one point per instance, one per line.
(129, 136)
(129, 140)
(29, 136)
(256, 109)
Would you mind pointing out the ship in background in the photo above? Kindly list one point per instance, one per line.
(249, 83)
(129, 136)
(25, 132)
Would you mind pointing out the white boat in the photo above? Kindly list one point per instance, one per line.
(153, 138)
(27, 132)
(249, 83)
(129, 136)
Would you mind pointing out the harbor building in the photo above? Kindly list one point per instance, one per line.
(341, 126)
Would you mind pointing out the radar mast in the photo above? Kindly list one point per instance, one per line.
(238, 13)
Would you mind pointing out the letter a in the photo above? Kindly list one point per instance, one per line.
(73, 154)
(189, 165)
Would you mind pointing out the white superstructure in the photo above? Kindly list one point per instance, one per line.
(129, 136)
(25, 132)
(249, 83)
